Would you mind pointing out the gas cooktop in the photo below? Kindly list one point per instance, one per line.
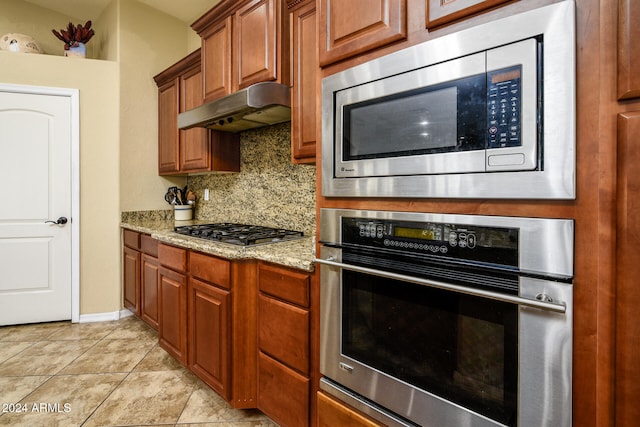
(238, 234)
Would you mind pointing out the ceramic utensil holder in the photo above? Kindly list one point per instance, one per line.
(183, 212)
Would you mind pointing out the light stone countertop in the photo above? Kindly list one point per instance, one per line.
(297, 253)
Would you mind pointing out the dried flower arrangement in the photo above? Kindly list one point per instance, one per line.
(74, 35)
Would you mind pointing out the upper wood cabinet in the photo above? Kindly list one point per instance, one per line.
(349, 28)
(628, 49)
(216, 59)
(304, 68)
(193, 143)
(192, 150)
(168, 149)
(243, 42)
(255, 33)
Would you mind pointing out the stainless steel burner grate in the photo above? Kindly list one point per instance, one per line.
(239, 234)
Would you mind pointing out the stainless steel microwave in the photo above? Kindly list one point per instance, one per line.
(486, 112)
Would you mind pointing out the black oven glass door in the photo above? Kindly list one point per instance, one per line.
(462, 348)
(441, 118)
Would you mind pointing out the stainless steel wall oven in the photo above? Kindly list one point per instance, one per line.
(447, 320)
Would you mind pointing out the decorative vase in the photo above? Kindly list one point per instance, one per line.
(79, 52)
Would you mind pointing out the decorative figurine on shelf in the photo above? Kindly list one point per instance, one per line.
(15, 42)
(75, 38)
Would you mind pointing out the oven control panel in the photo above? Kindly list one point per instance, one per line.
(461, 241)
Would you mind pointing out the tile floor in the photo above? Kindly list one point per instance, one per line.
(104, 374)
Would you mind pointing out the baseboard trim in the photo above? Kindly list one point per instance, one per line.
(105, 317)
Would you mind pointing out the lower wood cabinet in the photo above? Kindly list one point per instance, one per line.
(149, 290)
(243, 327)
(172, 324)
(209, 325)
(332, 412)
(140, 281)
(283, 393)
(207, 320)
(284, 342)
(131, 279)
(149, 281)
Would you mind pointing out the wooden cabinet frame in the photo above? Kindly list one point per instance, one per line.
(210, 334)
(217, 59)
(441, 12)
(131, 279)
(348, 28)
(172, 323)
(196, 150)
(304, 70)
(628, 50)
(243, 42)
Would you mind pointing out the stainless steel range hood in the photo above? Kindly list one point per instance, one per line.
(259, 105)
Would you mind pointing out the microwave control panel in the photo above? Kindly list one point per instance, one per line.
(504, 89)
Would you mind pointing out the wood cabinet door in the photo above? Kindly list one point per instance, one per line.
(168, 108)
(303, 90)
(628, 50)
(172, 321)
(283, 394)
(149, 290)
(348, 28)
(217, 59)
(627, 352)
(131, 279)
(255, 42)
(210, 335)
(194, 143)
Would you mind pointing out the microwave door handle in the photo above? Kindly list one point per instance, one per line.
(543, 303)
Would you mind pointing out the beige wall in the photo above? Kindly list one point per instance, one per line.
(118, 119)
(105, 41)
(99, 173)
(150, 41)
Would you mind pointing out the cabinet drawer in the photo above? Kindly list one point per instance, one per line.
(283, 332)
(131, 239)
(149, 245)
(211, 269)
(172, 257)
(333, 413)
(282, 393)
(288, 285)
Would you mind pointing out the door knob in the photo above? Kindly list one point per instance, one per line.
(61, 221)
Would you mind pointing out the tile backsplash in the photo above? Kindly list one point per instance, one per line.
(269, 190)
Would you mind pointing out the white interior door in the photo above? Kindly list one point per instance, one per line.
(35, 169)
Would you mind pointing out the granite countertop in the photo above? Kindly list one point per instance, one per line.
(297, 253)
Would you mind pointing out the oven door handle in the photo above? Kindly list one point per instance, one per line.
(543, 301)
